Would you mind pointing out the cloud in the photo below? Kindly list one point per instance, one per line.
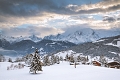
(101, 7)
(72, 28)
(109, 19)
(43, 17)
(27, 8)
(17, 10)
(39, 31)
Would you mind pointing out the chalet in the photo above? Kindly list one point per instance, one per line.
(96, 63)
(114, 65)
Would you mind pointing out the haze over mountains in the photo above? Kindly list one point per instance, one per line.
(75, 36)
(82, 37)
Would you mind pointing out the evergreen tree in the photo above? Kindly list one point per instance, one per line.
(28, 59)
(78, 58)
(57, 59)
(67, 57)
(87, 59)
(46, 61)
(36, 64)
(103, 60)
(9, 60)
(61, 58)
(53, 59)
(2, 58)
(72, 58)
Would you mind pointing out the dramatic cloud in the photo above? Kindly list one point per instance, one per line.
(51, 16)
(109, 19)
(38, 31)
(68, 7)
(101, 7)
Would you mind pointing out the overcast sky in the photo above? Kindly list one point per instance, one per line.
(45, 17)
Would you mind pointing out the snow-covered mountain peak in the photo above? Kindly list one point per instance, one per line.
(78, 36)
(75, 36)
(83, 35)
(35, 38)
(18, 39)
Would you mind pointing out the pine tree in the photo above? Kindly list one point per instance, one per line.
(9, 60)
(61, 58)
(78, 58)
(52, 59)
(46, 61)
(57, 59)
(103, 60)
(66, 57)
(28, 59)
(2, 58)
(36, 63)
(72, 58)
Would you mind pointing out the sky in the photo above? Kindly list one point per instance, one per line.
(46, 17)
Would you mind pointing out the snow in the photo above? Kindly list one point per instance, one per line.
(64, 53)
(113, 44)
(18, 39)
(113, 52)
(99, 40)
(62, 71)
(41, 49)
(118, 43)
(32, 47)
(83, 35)
(80, 35)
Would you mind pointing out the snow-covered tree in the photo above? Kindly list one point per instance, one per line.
(67, 57)
(103, 60)
(61, 58)
(87, 59)
(46, 61)
(57, 59)
(117, 59)
(18, 59)
(53, 59)
(9, 60)
(28, 59)
(78, 58)
(2, 58)
(36, 64)
(72, 58)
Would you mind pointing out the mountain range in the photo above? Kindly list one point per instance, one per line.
(81, 40)
(75, 36)
(109, 47)
(83, 35)
(27, 46)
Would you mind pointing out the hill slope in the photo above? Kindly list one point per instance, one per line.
(105, 46)
(62, 71)
(27, 46)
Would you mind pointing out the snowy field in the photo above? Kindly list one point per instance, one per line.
(62, 71)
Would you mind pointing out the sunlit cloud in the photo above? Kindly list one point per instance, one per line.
(100, 7)
(38, 16)
(32, 30)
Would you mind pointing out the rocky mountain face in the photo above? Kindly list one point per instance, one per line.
(88, 41)
(77, 36)
(106, 46)
(83, 35)
(27, 46)
(18, 39)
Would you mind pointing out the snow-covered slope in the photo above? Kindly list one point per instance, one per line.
(83, 35)
(18, 39)
(75, 36)
(62, 71)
